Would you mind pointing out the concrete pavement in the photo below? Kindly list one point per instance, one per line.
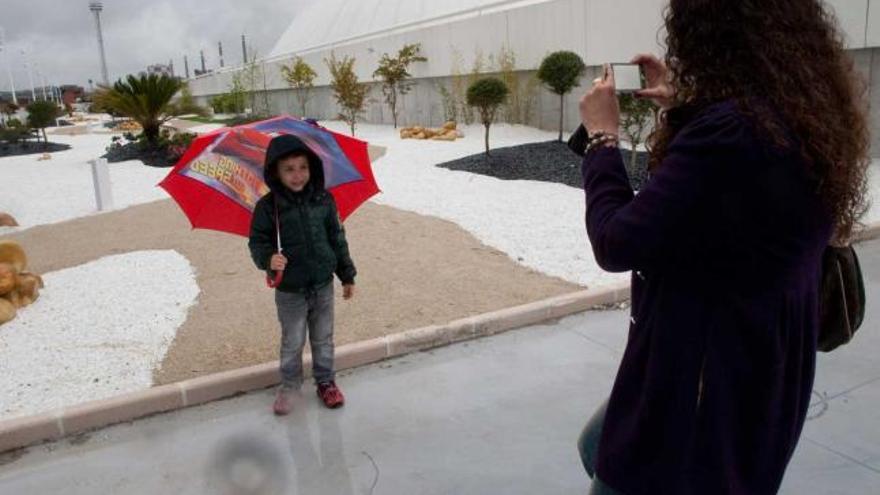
(495, 415)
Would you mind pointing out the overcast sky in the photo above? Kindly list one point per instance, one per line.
(59, 35)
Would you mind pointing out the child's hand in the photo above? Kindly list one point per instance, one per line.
(347, 291)
(278, 262)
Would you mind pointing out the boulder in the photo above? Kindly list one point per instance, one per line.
(8, 278)
(11, 252)
(7, 311)
(7, 220)
(29, 285)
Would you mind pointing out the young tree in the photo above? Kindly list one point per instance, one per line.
(350, 94)
(635, 116)
(487, 95)
(236, 95)
(186, 104)
(42, 114)
(301, 77)
(145, 99)
(252, 77)
(8, 109)
(560, 72)
(394, 73)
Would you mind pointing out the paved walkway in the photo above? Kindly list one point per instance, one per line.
(498, 415)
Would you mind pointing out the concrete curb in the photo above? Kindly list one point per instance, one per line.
(28, 430)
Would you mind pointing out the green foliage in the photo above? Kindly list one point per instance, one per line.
(145, 99)
(13, 134)
(42, 114)
(394, 72)
(450, 106)
(301, 77)
(518, 109)
(487, 94)
(167, 150)
(252, 80)
(233, 101)
(8, 108)
(350, 94)
(635, 116)
(460, 84)
(186, 104)
(560, 72)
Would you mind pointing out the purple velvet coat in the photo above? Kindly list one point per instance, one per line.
(725, 243)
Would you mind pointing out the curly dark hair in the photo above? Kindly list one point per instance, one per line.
(784, 64)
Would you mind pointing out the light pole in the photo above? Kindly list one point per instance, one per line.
(96, 8)
(27, 65)
(7, 57)
(41, 80)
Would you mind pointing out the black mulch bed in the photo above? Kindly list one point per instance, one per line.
(30, 148)
(153, 157)
(549, 161)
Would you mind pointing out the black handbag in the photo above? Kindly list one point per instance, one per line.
(842, 297)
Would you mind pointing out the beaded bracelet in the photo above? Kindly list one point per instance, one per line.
(602, 139)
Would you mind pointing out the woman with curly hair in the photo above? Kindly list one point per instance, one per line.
(758, 162)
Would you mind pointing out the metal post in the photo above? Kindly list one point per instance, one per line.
(8, 57)
(43, 79)
(96, 8)
(30, 75)
(101, 181)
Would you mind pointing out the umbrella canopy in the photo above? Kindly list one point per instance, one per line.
(219, 179)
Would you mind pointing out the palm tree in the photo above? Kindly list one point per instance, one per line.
(145, 99)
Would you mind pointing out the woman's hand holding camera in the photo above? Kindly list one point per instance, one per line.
(600, 111)
(659, 89)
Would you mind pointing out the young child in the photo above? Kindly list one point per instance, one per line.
(313, 248)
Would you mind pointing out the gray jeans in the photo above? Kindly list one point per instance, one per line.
(588, 448)
(300, 314)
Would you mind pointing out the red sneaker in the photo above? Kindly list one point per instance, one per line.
(330, 394)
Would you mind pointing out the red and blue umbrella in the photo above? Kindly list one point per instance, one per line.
(219, 178)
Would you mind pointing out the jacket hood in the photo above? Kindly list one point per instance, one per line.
(285, 145)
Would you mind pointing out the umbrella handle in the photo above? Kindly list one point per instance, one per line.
(274, 281)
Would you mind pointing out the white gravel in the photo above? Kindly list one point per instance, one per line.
(537, 224)
(44, 192)
(97, 330)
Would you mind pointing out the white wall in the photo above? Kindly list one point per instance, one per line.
(874, 24)
(852, 16)
(598, 30)
(618, 30)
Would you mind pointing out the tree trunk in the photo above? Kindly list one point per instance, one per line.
(152, 134)
(561, 114)
(394, 107)
(633, 157)
(487, 139)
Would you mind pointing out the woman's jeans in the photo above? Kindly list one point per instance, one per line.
(588, 448)
(301, 315)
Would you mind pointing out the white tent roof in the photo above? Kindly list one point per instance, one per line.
(329, 22)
